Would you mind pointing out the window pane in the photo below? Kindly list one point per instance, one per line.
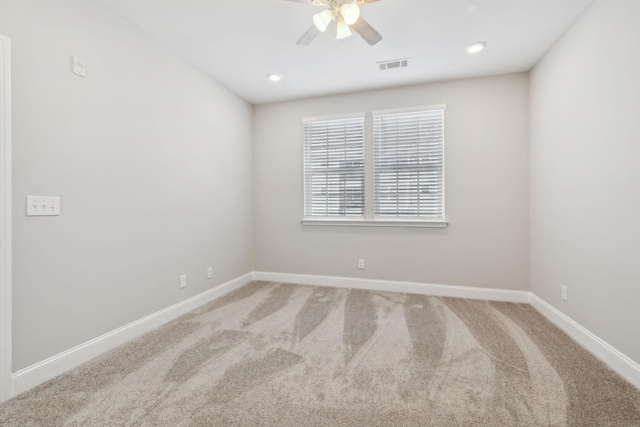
(409, 164)
(334, 168)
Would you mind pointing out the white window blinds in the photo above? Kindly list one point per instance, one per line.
(334, 167)
(408, 157)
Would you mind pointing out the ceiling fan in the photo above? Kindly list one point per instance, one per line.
(346, 13)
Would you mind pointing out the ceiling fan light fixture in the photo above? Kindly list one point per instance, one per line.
(348, 18)
(343, 30)
(350, 13)
(323, 19)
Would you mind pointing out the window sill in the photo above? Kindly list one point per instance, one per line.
(375, 223)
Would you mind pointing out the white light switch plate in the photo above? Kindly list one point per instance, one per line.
(78, 66)
(43, 206)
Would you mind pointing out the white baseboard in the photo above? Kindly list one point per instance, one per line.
(394, 286)
(37, 374)
(627, 368)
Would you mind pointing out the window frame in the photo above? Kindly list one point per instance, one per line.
(333, 218)
(369, 220)
(427, 108)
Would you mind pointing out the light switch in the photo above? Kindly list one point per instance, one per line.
(79, 67)
(43, 206)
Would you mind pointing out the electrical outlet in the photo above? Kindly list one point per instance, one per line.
(361, 264)
(183, 281)
(209, 272)
(564, 292)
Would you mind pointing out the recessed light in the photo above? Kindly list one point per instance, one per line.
(472, 9)
(476, 47)
(274, 77)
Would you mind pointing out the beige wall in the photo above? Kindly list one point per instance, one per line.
(486, 243)
(152, 160)
(585, 178)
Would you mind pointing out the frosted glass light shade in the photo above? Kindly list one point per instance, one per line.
(343, 30)
(321, 20)
(350, 13)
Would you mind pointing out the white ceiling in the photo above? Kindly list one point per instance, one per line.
(238, 42)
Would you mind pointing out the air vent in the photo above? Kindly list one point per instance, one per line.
(396, 63)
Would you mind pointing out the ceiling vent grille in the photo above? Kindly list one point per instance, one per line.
(396, 63)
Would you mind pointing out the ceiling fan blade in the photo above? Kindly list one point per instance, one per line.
(308, 37)
(366, 31)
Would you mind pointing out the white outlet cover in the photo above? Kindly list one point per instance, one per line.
(183, 281)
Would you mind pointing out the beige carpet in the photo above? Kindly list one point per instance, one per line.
(290, 355)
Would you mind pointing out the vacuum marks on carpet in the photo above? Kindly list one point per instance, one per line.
(278, 354)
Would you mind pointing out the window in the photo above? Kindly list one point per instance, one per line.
(408, 152)
(334, 167)
(402, 172)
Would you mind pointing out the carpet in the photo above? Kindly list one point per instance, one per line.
(273, 354)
